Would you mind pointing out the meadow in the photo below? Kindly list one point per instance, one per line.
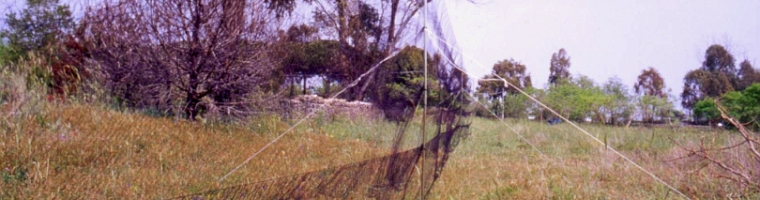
(81, 150)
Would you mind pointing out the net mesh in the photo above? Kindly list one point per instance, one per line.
(395, 176)
(400, 174)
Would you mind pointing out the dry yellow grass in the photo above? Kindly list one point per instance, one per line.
(79, 151)
(76, 152)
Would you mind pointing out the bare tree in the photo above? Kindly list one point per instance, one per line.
(159, 53)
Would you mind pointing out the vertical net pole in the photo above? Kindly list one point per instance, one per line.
(424, 98)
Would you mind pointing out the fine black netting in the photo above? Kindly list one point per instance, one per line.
(395, 176)
(404, 173)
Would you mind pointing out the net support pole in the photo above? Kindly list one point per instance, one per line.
(424, 98)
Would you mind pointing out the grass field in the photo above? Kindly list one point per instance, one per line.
(81, 151)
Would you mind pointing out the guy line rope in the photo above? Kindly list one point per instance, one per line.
(566, 120)
(373, 68)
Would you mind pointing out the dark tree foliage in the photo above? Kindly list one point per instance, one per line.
(650, 83)
(747, 75)
(177, 53)
(403, 78)
(42, 24)
(298, 54)
(718, 59)
(281, 7)
(559, 68)
(717, 76)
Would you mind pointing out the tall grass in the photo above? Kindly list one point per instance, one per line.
(80, 150)
(495, 164)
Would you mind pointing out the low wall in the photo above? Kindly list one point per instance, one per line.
(304, 104)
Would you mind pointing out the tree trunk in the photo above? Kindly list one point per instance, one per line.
(327, 87)
(304, 84)
(191, 109)
(292, 86)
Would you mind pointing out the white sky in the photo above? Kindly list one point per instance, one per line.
(605, 38)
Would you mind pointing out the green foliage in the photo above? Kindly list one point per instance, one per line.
(620, 107)
(402, 81)
(577, 99)
(5, 54)
(705, 110)
(515, 105)
(745, 105)
(654, 108)
(742, 105)
(41, 24)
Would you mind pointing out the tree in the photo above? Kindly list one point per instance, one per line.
(620, 108)
(654, 108)
(716, 76)
(651, 97)
(718, 59)
(559, 68)
(42, 24)
(176, 52)
(650, 83)
(744, 106)
(512, 71)
(404, 83)
(46, 28)
(577, 99)
(305, 56)
(747, 75)
(501, 96)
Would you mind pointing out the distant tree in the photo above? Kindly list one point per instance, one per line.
(325, 59)
(741, 105)
(42, 24)
(404, 82)
(654, 108)
(577, 99)
(747, 75)
(306, 56)
(718, 59)
(620, 108)
(746, 106)
(559, 66)
(512, 71)
(650, 83)
(501, 97)
(716, 76)
(652, 100)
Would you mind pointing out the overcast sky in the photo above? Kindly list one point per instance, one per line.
(605, 38)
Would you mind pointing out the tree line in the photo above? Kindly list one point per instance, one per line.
(181, 57)
(579, 98)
